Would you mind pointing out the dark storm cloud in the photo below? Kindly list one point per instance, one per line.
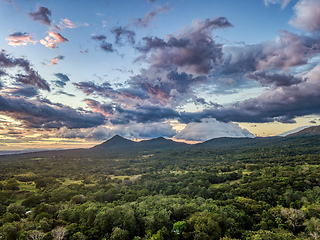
(144, 22)
(43, 115)
(31, 77)
(105, 46)
(42, 15)
(120, 33)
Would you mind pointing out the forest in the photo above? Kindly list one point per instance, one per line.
(259, 191)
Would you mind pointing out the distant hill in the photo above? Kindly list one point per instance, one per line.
(310, 131)
(115, 142)
(160, 143)
(119, 146)
(118, 143)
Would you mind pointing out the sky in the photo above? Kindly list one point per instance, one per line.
(75, 73)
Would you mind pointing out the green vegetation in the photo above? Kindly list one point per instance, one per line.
(269, 191)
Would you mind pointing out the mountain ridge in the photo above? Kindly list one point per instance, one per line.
(118, 145)
(310, 131)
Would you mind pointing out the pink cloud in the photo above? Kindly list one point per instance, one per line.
(56, 59)
(52, 39)
(20, 39)
(66, 23)
(307, 15)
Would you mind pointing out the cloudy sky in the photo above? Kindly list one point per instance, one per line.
(74, 73)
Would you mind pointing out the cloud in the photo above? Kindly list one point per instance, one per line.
(89, 87)
(44, 114)
(193, 50)
(273, 79)
(281, 104)
(57, 37)
(56, 59)
(105, 109)
(144, 22)
(144, 114)
(25, 91)
(62, 77)
(65, 93)
(131, 131)
(105, 46)
(283, 3)
(66, 23)
(284, 52)
(179, 63)
(121, 33)
(209, 128)
(307, 17)
(52, 39)
(31, 77)
(151, 43)
(42, 15)
(20, 39)
(61, 83)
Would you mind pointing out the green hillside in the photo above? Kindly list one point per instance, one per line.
(262, 188)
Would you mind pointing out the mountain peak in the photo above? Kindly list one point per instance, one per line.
(115, 141)
(116, 137)
(159, 139)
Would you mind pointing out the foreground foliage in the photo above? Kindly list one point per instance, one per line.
(269, 192)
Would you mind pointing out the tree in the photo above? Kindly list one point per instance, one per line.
(313, 227)
(205, 226)
(12, 184)
(294, 217)
(78, 236)
(10, 231)
(59, 232)
(16, 208)
(119, 234)
(178, 228)
(36, 235)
